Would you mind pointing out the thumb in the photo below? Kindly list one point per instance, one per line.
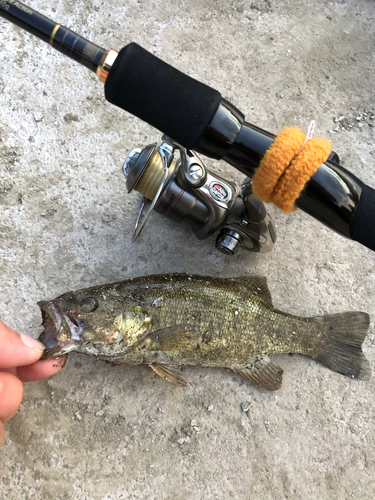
(17, 349)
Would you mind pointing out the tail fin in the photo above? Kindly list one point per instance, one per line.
(340, 347)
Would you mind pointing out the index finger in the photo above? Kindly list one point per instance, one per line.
(17, 349)
(41, 369)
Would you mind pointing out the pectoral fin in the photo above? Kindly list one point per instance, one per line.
(174, 337)
(262, 373)
(170, 373)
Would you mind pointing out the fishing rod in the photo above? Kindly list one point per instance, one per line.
(196, 118)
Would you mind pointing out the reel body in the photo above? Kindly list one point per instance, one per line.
(184, 190)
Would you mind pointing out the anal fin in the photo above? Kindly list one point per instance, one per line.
(170, 373)
(262, 373)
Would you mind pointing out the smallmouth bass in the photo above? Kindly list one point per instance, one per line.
(168, 321)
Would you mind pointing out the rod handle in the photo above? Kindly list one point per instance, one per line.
(362, 225)
(161, 95)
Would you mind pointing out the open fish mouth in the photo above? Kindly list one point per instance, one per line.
(62, 332)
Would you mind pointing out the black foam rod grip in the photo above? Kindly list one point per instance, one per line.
(162, 96)
(362, 225)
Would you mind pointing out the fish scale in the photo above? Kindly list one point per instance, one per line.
(168, 321)
(234, 338)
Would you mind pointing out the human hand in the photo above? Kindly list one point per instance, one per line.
(19, 355)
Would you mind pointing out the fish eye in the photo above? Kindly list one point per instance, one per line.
(89, 304)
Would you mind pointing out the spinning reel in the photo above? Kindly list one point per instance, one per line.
(179, 186)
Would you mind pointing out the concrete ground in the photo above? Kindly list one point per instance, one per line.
(100, 432)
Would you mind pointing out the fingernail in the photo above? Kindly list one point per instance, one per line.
(32, 343)
(63, 362)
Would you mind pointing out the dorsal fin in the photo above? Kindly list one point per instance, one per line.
(257, 285)
(261, 372)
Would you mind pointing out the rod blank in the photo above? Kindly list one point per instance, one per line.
(59, 37)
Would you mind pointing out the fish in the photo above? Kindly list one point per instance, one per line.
(173, 320)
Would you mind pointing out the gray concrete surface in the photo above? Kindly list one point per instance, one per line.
(100, 432)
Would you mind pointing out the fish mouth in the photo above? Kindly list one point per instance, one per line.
(62, 332)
